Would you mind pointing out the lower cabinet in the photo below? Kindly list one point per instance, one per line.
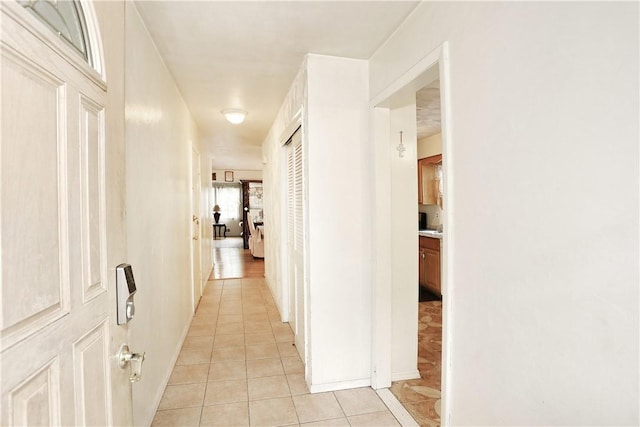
(429, 264)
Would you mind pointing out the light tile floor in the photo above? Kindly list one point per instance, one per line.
(238, 367)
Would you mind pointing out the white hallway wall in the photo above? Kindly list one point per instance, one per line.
(545, 315)
(404, 274)
(339, 298)
(272, 180)
(334, 94)
(159, 134)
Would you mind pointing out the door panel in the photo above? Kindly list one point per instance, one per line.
(91, 377)
(57, 325)
(295, 239)
(36, 402)
(38, 226)
(290, 237)
(92, 182)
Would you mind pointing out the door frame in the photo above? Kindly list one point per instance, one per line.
(245, 210)
(196, 209)
(287, 133)
(296, 256)
(410, 82)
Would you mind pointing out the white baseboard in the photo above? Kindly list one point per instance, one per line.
(341, 385)
(401, 376)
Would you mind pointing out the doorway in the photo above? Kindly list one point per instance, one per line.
(421, 396)
(395, 241)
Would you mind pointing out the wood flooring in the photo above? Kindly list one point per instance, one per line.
(231, 261)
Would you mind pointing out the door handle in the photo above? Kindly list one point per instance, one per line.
(126, 357)
(195, 237)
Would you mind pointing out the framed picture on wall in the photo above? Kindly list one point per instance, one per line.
(213, 177)
(228, 176)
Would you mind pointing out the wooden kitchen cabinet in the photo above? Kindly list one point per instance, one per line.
(422, 263)
(429, 181)
(429, 264)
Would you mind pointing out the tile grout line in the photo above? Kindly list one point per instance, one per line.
(211, 357)
(246, 362)
(341, 408)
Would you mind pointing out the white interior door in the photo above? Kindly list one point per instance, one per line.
(58, 327)
(196, 256)
(295, 239)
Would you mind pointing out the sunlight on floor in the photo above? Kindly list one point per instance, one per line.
(231, 261)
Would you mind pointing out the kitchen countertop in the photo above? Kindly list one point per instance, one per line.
(430, 233)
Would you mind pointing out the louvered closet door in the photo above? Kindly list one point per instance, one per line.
(295, 238)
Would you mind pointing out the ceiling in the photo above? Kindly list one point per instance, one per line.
(239, 54)
(428, 110)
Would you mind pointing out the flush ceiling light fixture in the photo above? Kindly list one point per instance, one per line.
(234, 115)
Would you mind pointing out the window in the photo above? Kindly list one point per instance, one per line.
(65, 18)
(229, 198)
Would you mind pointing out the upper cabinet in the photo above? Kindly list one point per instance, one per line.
(430, 180)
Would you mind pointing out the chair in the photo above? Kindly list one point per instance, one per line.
(256, 241)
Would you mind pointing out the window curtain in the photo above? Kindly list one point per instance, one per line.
(229, 198)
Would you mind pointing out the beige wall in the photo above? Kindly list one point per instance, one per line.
(159, 135)
(430, 146)
(237, 175)
(542, 315)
